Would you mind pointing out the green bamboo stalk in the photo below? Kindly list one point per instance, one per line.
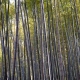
(24, 29)
(16, 40)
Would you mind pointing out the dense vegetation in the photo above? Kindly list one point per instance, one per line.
(40, 40)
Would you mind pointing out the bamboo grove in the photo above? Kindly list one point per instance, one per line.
(40, 40)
